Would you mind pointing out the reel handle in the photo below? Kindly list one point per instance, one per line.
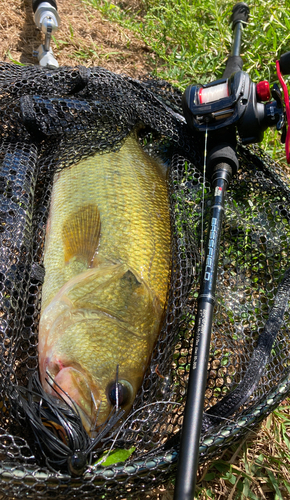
(285, 63)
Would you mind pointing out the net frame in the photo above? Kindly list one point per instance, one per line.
(44, 114)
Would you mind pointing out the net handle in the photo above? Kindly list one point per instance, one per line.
(36, 3)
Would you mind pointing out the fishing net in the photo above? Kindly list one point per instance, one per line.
(51, 119)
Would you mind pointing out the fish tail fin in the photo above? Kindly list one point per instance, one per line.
(81, 233)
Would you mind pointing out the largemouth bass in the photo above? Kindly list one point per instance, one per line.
(107, 269)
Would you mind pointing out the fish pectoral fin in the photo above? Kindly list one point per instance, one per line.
(81, 233)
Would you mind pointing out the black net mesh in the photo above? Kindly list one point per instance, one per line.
(51, 119)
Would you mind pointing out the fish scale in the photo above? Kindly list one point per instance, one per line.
(107, 270)
(133, 205)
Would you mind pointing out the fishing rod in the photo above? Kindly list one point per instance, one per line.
(47, 20)
(222, 110)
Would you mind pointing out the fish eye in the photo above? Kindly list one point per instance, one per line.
(120, 393)
(77, 463)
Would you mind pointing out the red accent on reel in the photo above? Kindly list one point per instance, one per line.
(213, 93)
(200, 95)
(286, 99)
(263, 91)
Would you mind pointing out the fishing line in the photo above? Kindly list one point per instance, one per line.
(105, 428)
(117, 388)
(203, 196)
(91, 467)
(231, 420)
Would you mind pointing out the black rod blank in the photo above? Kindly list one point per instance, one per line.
(189, 446)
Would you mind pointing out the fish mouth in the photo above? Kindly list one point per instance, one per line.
(72, 386)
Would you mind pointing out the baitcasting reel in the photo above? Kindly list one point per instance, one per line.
(237, 101)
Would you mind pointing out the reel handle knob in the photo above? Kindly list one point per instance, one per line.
(285, 63)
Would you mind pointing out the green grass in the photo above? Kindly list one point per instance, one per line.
(192, 39)
(257, 468)
(189, 41)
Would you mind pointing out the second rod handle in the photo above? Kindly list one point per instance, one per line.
(36, 3)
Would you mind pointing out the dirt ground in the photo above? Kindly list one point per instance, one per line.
(83, 38)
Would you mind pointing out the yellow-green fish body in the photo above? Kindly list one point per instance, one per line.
(107, 269)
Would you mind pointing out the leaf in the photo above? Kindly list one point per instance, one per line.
(286, 438)
(210, 476)
(221, 467)
(14, 60)
(230, 477)
(287, 486)
(274, 484)
(115, 456)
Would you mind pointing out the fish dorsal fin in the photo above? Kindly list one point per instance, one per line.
(81, 234)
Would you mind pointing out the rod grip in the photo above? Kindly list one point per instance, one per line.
(285, 63)
(36, 3)
(234, 64)
(240, 13)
